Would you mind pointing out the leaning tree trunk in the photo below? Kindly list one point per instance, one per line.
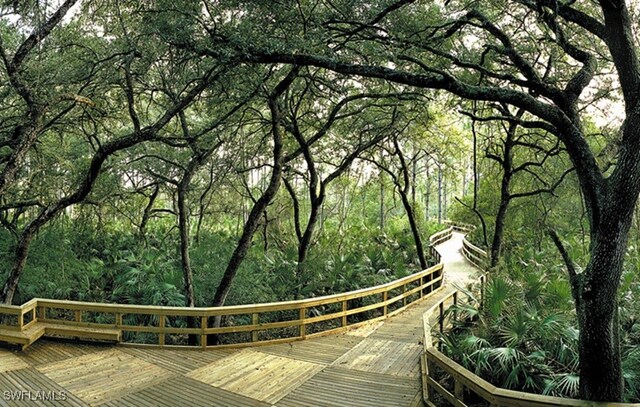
(305, 243)
(414, 230)
(252, 223)
(19, 262)
(250, 227)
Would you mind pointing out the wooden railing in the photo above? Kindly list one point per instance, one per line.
(436, 239)
(474, 254)
(249, 324)
(18, 317)
(460, 226)
(435, 365)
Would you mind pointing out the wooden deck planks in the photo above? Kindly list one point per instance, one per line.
(382, 356)
(257, 375)
(324, 350)
(337, 386)
(34, 385)
(185, 392)
(101, 376)
(10, 361)
(366, 329)
(407, 332)
(49, 351)
(177, 360)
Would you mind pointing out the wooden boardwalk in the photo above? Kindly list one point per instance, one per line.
(373, 365)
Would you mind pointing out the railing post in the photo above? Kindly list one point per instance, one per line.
(161, 325)
(385, 297)
(255, 320)
(344, 309)
(78, 315)
(203, 337)
(421, 286)
(482, 292)
(404, 291)
(455, 303)
(20, 320)
(458, 389)
(43, 312)
(431, 368)
(301, 316)
(441, 317)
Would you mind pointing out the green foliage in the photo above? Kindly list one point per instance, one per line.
(524, 337)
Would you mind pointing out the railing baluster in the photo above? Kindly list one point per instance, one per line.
(455, 304)
(161, 325)
(203, 336)
(302, 314)
(441, 318)
(458, 389)
(431, 368)
(404, 291)
(385, 297)
(344, 309)
(78, 315)
(255, 320)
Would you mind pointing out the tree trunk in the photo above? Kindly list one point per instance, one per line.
(305, 242)
(498, 234)
(185, 259)
(19, 262)
(265, 233)
(426, 194)
(260, 205)
(381, 202)
(414, 230)
(599, 346)
(146, 215)
(183, 225)
(439, 194)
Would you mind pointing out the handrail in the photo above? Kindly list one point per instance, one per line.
(460, 226)
(257, 323)
(435, 240)
(464, 379)
(294, 320)
(474, 254)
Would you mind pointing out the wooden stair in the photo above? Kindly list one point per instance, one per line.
(23, 338)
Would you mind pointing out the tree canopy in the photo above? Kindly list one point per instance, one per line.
(167, 107)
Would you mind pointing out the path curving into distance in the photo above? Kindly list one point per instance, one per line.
(374, 365)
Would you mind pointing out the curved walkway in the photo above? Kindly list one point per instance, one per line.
(374, 365)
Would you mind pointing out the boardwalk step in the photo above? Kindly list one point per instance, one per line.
(25, 337)
(34, 332)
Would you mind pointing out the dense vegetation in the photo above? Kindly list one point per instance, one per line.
(214, 152)
(79, 259)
